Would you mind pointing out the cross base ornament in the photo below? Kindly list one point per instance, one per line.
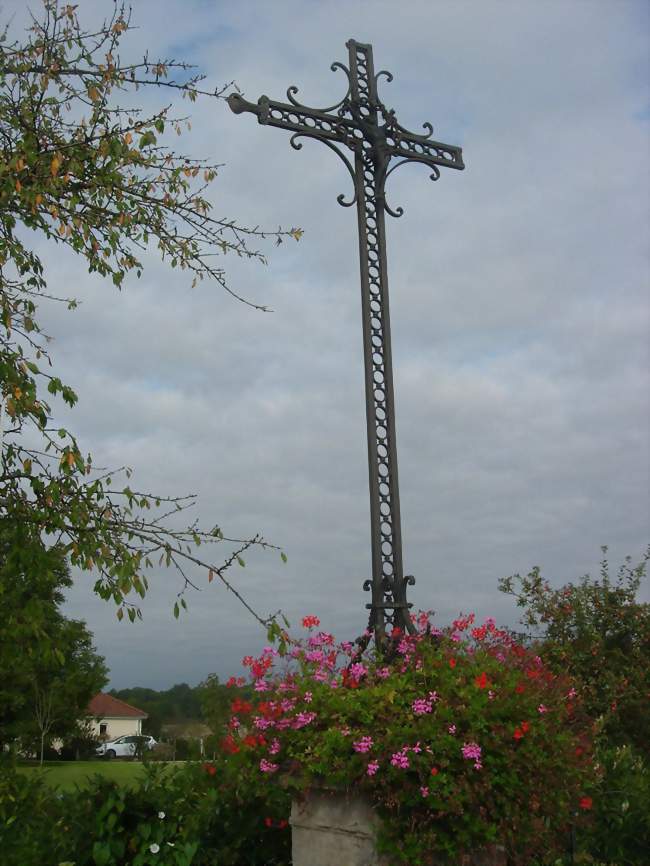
(362, 124)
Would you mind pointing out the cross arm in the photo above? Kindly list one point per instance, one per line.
(298, 119)
(410, 146)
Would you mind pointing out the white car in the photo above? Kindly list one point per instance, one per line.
(124, 747)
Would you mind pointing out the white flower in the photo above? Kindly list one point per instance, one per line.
(161, 815)
(154, 847)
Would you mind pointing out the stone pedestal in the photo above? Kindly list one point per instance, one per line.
(333, 830)
(340, 829)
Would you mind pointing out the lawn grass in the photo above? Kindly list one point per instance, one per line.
(67, 775)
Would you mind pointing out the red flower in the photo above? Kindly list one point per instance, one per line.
(586, 803)
(250, 740)
(481, 681)
(310, 621)
(434, 771)
(520, 688)
(525, 727)
(518, 734)
(579, 751)
(210, 769)
(452, 663)
(228, 744)
(282, 824)
(268, 822)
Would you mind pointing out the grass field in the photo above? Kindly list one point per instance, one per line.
(66, 775)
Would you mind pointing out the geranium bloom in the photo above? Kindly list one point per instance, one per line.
(586, 803)
(471, 750)
(452, 729)
(362, 745)
(310, 622)
(421, 706)
(481, 681)
(452, 663)
(400, 759)
(268, 766)
(518, 734)
(434, 771)
(372, 768)
(424, 791)
(542, 709)
(383, 673)
(268, 822)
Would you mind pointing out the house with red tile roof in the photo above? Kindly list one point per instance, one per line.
(110, 717)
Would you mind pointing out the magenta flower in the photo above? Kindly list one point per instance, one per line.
(400, 759)
(424, 791)
(372, 768)
(421, 706)
(471, 751)
(268, 766)
(363, 745)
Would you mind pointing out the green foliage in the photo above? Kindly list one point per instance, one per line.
(49, 668)
(83, 172)
(597, 631)
(461, 738)
(197, 814)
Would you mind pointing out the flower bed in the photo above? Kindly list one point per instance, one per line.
(460, 737)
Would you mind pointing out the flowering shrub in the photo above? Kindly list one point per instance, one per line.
(460, 737)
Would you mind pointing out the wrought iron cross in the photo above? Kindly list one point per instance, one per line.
(363, 124)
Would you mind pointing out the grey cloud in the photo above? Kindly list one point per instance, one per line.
(518, 300)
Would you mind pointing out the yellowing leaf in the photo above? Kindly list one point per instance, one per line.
(55, 165)
(70, 459)
(210, 576)
(296, 233)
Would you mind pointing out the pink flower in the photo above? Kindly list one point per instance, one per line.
(542, 709)
(274, 748)
(310, 621)
(307, 697)
(303, 719)
(400, 759)
(452, 729)
(267, 766)
(372, 768)
(383, 673)
(363, 745)
(261, 686)
(424, 791)
(421, 706)
(471, 751)
(358, 670)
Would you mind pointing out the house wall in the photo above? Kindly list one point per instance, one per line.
(117, 727)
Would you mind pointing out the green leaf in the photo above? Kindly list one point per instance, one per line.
(283, 556)
(176, 610)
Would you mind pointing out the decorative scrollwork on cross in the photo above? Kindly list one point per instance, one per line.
(362, 123)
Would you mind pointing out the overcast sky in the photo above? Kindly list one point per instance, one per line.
(519, 306)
